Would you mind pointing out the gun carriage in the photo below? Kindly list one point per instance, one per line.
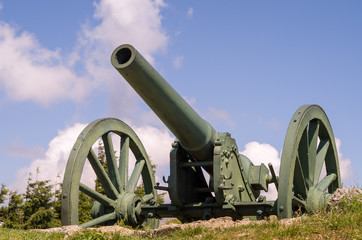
(234, 182)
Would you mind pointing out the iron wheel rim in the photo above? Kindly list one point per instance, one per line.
(309, 145)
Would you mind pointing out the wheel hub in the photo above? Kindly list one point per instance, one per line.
(128, 209)
(316, 200)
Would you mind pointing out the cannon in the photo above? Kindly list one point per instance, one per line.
(208, 176)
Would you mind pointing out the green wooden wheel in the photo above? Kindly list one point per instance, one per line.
(308, 148)
(119, 201)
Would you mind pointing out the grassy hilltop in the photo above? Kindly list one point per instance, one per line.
(342, 221)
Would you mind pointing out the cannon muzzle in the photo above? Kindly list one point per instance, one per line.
(195, 134)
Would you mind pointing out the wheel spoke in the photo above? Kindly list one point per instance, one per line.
(105, 201)
(146, 198)
(100, 220)
(297, 202)
(309, 162)
(123, 161)
(112, 176)
(299, 181)
(106, 183)
(312, 148)
(303, 155)
(133, 180)
(111, 160)
(320, 158)
(326, 181)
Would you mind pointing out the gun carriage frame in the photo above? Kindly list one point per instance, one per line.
(234, 182)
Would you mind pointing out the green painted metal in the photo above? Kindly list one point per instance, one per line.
(308, 146)
(230, 180)
(119, 202)
(234, 182)
(195, 134)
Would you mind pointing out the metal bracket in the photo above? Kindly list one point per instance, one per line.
(158, 187)
(274, 178)
(223, 187)
(164, 179)
(207, 214)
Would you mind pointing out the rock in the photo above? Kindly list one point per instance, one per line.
(349, 193)
(341, 193)
(114, 229)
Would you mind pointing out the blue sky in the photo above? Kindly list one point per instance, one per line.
(245, 66)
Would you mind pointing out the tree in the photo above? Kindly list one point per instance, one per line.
(3, 192)
(85, 208)
(140, 189)
(56, 204)
(102, 158)
(38, 207)
(12, 215)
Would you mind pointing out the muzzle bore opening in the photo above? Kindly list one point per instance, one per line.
(123, 55)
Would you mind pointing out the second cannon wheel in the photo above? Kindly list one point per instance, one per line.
(309, 169)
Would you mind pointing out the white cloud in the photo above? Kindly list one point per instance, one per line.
(137, 22)
(190, 13)
(129, 21)
(259, 153)
(54, 161)
(345, 164)
(1, 5)
(158, 145)
(151, 119)
(32, 72)
(156, 142)
(178, 61)
(264, 153)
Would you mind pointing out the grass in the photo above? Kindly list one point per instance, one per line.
(15, 234)
(342, 223)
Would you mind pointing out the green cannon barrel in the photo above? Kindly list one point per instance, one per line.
(195, 134)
